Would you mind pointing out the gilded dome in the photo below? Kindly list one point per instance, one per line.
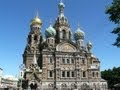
(36, 20)
(79, 34)
(50, 32)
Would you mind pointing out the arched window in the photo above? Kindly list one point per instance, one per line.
(68, 61)
(50, 74)
(84, 74)
(72, 61)
(93, 74)
(83, 60)
(63, 60)
(97, 74)
(68, 73)
(64, 34)
(35, 38)
(63, 73)
(51, 60)
(72, 73)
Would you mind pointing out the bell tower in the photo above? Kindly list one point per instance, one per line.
(62, 27)
(33, 41)
(31, 56)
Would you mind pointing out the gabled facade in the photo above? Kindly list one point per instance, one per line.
(58, 62)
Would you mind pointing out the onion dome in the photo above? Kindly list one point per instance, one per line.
(50, 32)
(89, 44)
(36, 20)
(61, 4)
(79, 34)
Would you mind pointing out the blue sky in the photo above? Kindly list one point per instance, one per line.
(15, 16)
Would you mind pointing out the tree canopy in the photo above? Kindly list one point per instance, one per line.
(114, 15)
(112, 76)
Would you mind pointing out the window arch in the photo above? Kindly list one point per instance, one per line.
(64, 34)
(72, 61)
(63, 73)
(97, 74)
(68, 61)
(68, 73)
(84, 74)
(50, 74)
(35, 38)
(63, 60)
(93, 74)
(72, 73)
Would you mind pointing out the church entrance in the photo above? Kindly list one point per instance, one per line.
(33, 86)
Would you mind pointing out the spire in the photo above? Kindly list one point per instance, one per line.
(50, 22)
(37, 14)
(79, 25)
(61, 1)
(61, 7)
(80, 29)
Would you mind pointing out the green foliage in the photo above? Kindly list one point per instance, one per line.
(114, 15)
(112, 76)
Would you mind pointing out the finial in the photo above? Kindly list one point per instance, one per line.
(61, 7)
(37, 14)
(89, 46)
(61, 1)
(78, 24)
(50, 21)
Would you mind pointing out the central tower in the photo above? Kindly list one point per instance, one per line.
(62, 26)
(31, 57)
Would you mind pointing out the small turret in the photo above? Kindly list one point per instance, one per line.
(50, 32)
(79, 37)
(50, 35)
(89, 46)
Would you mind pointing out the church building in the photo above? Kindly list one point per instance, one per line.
(57, 61)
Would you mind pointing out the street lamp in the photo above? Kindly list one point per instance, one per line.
(22, 68)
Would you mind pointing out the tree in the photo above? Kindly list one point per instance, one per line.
(112, 76)
(114, 15)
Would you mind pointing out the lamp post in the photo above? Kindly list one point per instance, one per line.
(21, 67)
